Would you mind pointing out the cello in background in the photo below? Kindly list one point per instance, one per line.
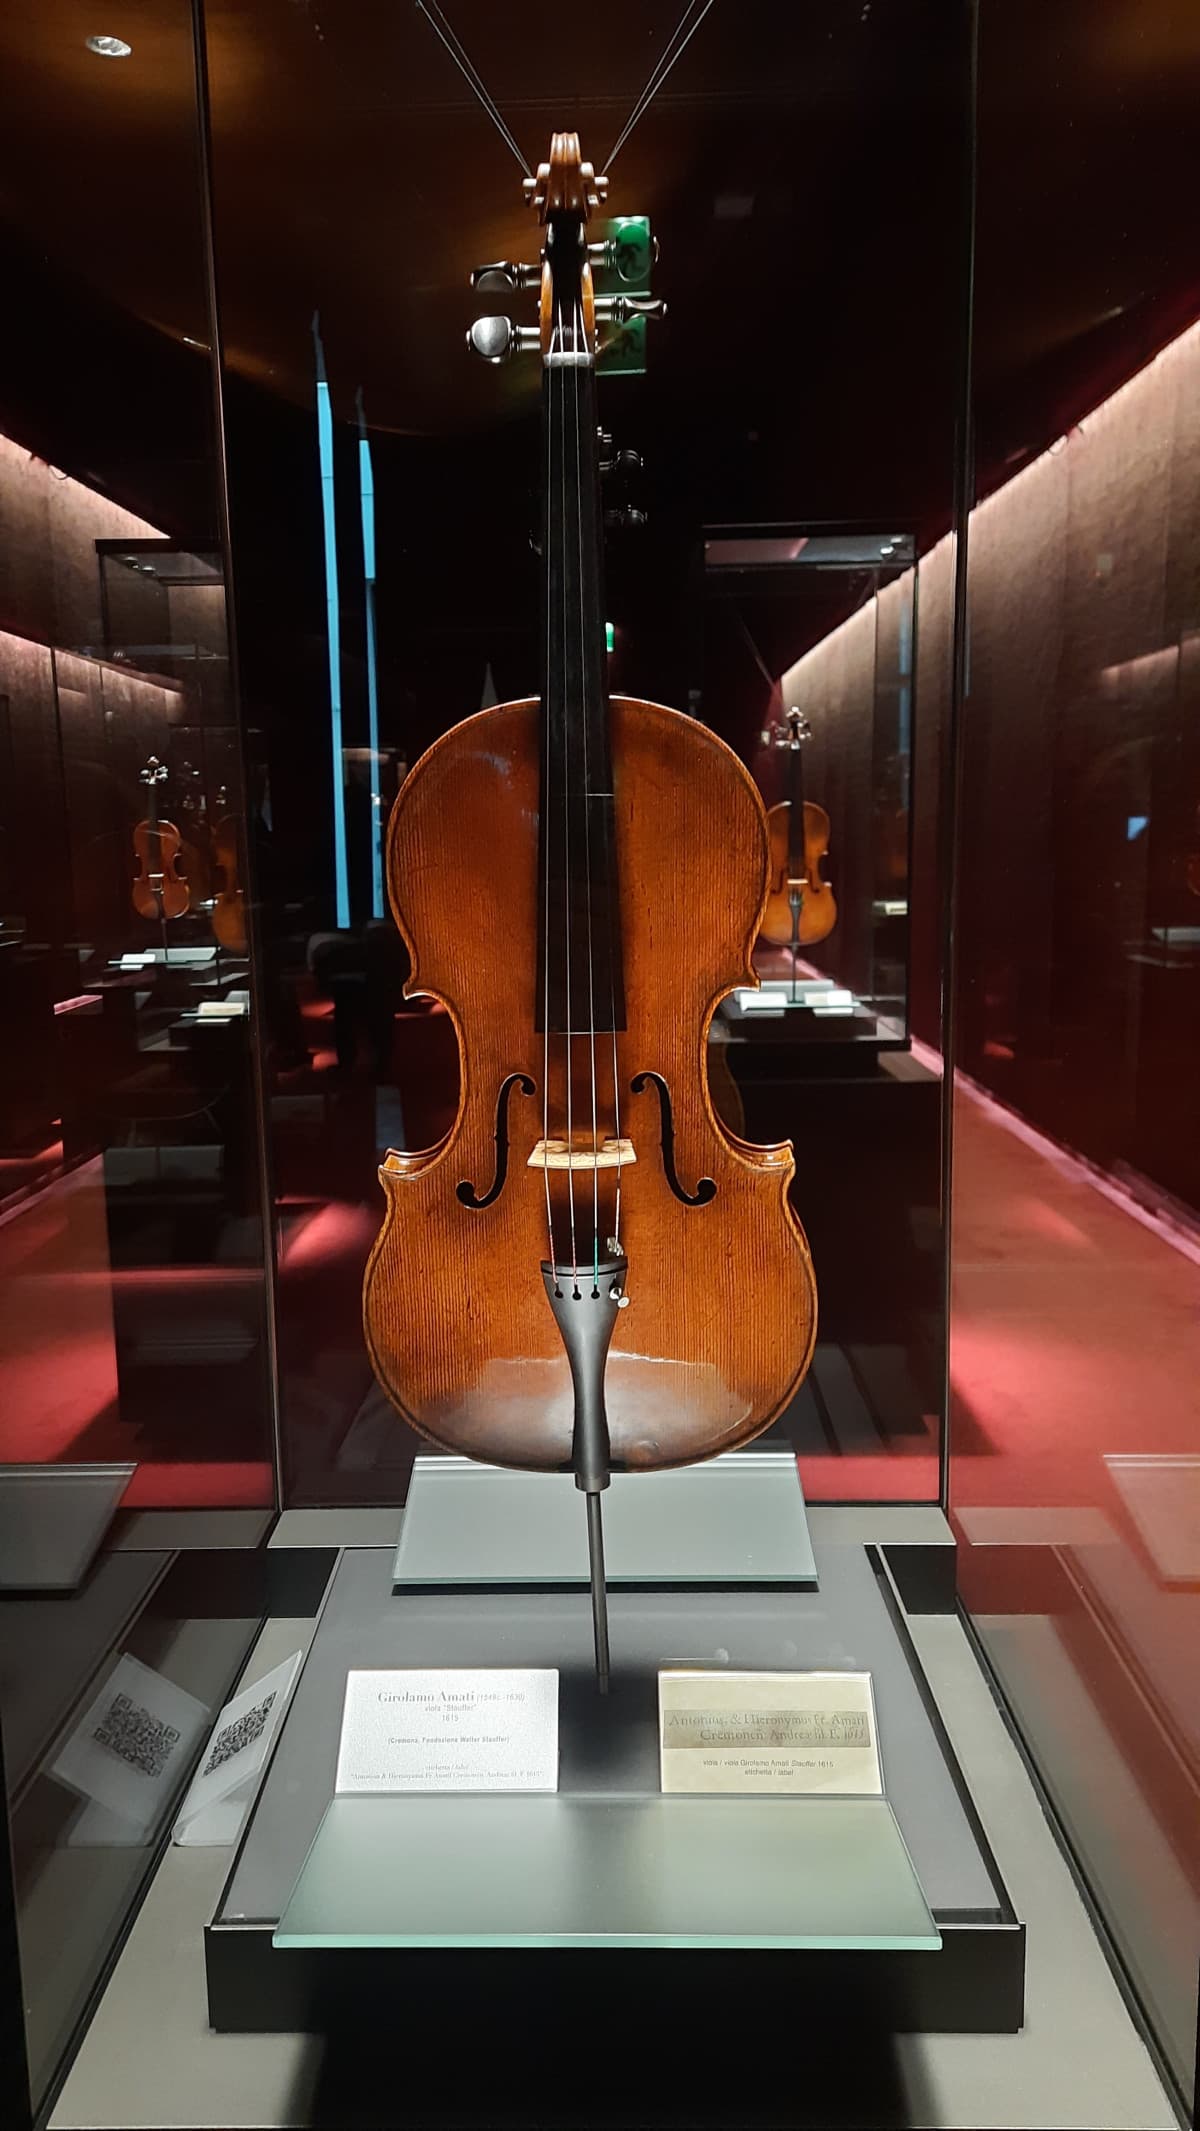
(160, 891)
(800, 907)
(573, 1279)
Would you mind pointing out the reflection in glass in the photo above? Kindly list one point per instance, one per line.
(1075, 1468)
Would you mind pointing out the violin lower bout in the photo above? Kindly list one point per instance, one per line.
(818, 909)
(721, 1318)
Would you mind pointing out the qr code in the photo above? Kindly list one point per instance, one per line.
(242, 1732)
(139, 1738)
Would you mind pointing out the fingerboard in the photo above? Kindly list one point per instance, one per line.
(580, 984)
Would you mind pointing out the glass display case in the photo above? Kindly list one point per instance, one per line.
(838, 606)
(406, 597)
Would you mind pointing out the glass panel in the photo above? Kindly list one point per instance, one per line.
(1075, 1437)
(384, 493)
(97, 1679)
(131, 1264)
(752, 1872)
(735, 1519)
(132, 1306)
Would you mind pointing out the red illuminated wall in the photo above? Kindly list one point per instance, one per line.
(1079, 986)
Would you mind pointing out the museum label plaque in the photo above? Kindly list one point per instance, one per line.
(452, 1730)
(810, 1732)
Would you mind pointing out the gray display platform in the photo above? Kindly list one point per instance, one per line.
(736, 1519)
(609, 1754)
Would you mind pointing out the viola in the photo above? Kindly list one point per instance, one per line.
(574, 1278)
(800, 907)
(160, 891)
(229, 904)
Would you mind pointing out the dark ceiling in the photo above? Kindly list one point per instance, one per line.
(805, 170)
(809, 143)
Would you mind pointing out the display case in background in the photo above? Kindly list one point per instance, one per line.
(827, 615)
(133, 993)
(811, 634)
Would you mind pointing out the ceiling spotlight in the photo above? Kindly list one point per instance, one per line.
(109, 47)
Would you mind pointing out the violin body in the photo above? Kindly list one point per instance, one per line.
(459, 1334)
(229, 905)
(159, 889)
(818, 909)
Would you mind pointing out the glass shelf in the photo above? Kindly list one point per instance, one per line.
(604, 1871)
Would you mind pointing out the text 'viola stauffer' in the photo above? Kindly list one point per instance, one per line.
(573, 1279)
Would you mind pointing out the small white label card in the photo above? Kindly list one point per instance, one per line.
(811, 1732)
(223, 1786)
(449, 1731)
(129, 1748)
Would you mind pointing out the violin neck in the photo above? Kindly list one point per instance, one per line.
(796, 813)
(579, 960)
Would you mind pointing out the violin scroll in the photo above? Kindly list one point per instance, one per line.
(565, 192)
(565, 184)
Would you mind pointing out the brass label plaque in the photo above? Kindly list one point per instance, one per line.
(768, 1731)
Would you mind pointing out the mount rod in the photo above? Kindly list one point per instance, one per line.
(595, 1527)
(585, 1304)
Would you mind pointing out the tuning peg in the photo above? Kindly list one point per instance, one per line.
(505, 274)
(628, 515)
(620, 309)
(604, 255)
(496, 340)
(618, 462)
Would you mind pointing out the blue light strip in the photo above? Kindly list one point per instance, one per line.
(333, 630)
(366, 490)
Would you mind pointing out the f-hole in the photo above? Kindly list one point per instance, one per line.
(465, 1191)
(706, 1188)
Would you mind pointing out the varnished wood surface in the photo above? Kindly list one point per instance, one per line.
(818, 911)
(159, 889)
(722, 1312)
(229, 905)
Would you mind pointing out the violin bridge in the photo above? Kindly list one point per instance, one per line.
(554, 1154)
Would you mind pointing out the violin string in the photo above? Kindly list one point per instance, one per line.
(610, 880)
(566, 727)
(585, 659)
(438, 23)
(676, 46)
(548, 752)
